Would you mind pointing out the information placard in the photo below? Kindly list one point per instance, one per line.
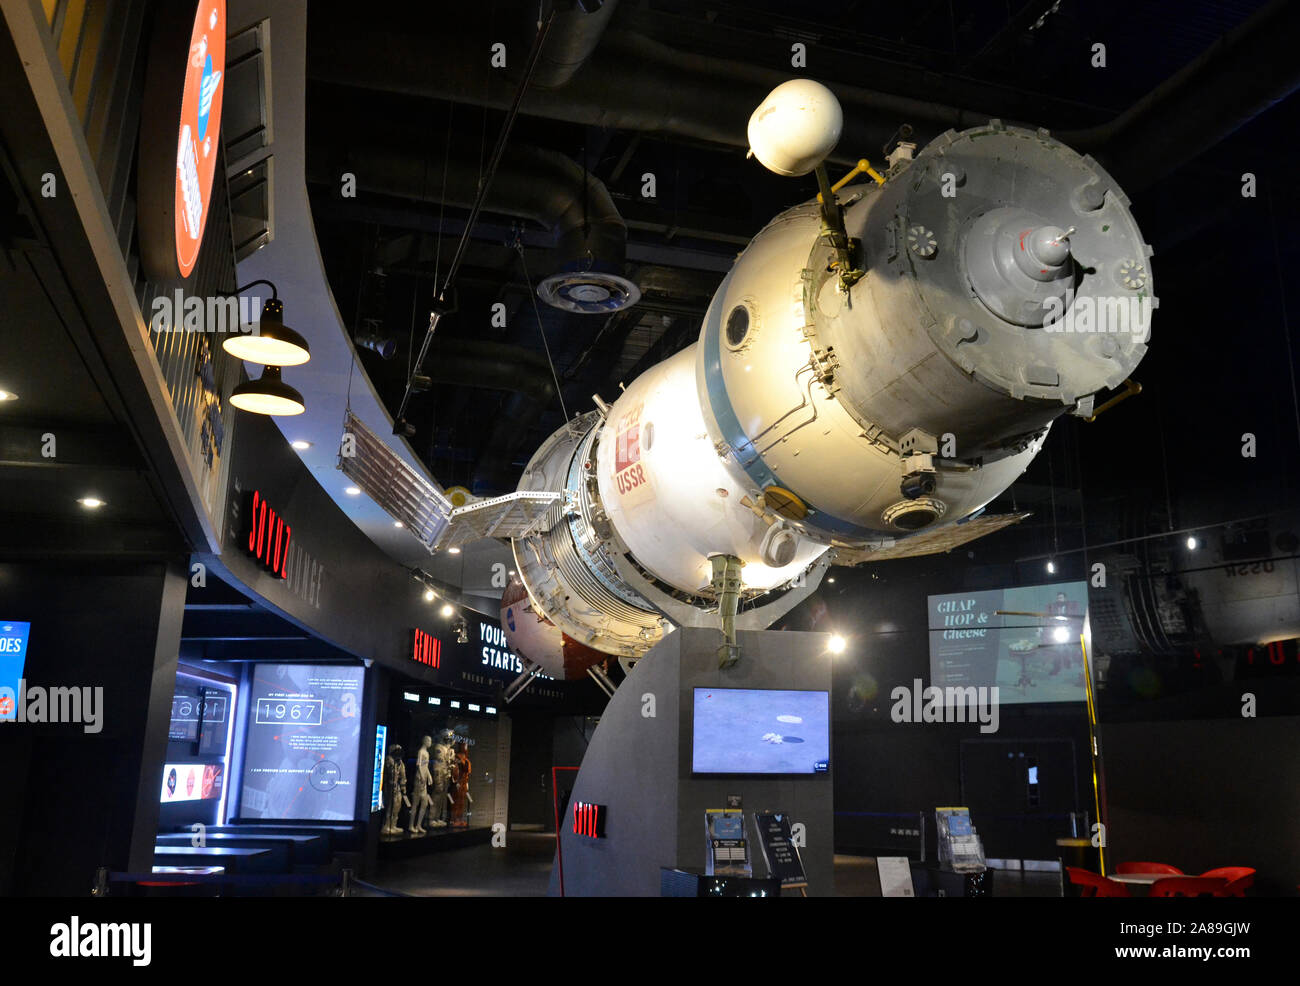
(779, 850)
(895, 874)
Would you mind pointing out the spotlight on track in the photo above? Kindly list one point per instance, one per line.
(385, 346)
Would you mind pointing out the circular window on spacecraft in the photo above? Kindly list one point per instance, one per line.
(737, 326)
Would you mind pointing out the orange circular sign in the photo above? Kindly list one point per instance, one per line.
(198, 145)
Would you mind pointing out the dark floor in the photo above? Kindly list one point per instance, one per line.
(523, 869)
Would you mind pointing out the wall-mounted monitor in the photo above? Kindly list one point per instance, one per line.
(1025, 640)
(760, 731)
(304, 742)
(13, 657)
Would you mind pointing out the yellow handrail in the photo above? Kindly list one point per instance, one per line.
(863, 167)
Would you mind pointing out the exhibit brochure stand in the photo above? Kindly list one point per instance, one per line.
(960, 848)
(727, 848)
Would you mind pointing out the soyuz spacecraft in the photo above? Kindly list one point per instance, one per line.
(879, 364)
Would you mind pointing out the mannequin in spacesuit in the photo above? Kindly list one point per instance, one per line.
(443, 759)
(395, 768)
(420, 788)
(461, 799)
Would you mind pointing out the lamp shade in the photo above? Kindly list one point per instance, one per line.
(268, 395)
(273, 344)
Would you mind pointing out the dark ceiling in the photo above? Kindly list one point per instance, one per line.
(67, 435)
(411, 107)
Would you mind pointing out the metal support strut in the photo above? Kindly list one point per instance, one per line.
(833, 229)
(726, 583)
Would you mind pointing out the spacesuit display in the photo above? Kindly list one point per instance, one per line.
(444, 757)
(395, 782)
(420, 788)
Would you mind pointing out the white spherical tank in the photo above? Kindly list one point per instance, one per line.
(795, 127)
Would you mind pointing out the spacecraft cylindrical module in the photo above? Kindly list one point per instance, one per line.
(1003, 282)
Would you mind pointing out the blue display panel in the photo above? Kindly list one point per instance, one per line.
(760, 731)
(377, 778)
(13, 658)
(304, 740)
(1024, 640)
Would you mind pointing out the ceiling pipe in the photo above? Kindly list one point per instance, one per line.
(532, 183)
(578, 27)
(629, 83)
(490, 366)
(1240, 76)
(633, 83)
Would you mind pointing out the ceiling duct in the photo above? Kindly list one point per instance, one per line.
(544, 186)
(631, 82)
(574, 35)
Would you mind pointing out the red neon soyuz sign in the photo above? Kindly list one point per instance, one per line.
(267, 539)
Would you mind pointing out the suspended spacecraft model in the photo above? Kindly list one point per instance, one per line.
(879, 364)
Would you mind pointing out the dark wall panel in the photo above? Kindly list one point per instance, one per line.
(69, 797)
(1207, 793)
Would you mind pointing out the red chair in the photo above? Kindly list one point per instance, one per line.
(1240, 879)
(1092, 884)
(1127, 868)
(1188, 886)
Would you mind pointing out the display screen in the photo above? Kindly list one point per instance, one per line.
(200, 714)
(377, 779)
(13, 657)
(191, 782)
(760, 731)
(1024, 640)
(304, 741)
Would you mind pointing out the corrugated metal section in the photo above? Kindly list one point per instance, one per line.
(103, 49)
(391, 482)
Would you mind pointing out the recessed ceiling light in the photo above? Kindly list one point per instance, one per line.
(428, 595)
(837, 644)
(398, 523)
(91, 502)
(447, 610)
(301, 445)
(352, 491)
(8, 395)
(453, 551)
